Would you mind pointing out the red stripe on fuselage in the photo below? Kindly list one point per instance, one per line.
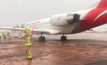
(91, 16)
(103, 3)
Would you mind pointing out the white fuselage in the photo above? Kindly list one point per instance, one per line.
(45, 24)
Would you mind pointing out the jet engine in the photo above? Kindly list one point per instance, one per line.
(64, 19)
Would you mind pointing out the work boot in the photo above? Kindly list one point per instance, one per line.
(29, 57)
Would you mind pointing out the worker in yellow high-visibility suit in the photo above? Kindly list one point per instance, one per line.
(8, 35)
(0, 36)
(4, 35)
(28, 42)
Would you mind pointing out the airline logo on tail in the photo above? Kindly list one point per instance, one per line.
(95, 17)
(104, 12)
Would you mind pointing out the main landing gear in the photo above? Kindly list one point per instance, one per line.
(41, 38)
(63, 38)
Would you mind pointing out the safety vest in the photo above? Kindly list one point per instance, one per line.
(4, 34)
(8, 34)
(0, 34)
(29, 41)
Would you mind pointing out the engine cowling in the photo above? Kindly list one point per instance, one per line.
(64, 19)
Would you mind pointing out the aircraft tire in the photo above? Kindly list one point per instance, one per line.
(41, 38)
(63, 38)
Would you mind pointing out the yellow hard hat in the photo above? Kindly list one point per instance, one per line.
(27, 28)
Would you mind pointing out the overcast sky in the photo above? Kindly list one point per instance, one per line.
(14, 12)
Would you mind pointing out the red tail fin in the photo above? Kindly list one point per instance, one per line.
(103, 3)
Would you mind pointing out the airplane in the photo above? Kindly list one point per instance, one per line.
(69, 23)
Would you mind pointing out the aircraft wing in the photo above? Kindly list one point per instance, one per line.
(11, 28)
(34, 31)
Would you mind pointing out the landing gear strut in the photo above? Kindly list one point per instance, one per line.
(41, 38)
(63, 38)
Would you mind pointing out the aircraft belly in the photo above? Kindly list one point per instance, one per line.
(61, 30)
(72, 28)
